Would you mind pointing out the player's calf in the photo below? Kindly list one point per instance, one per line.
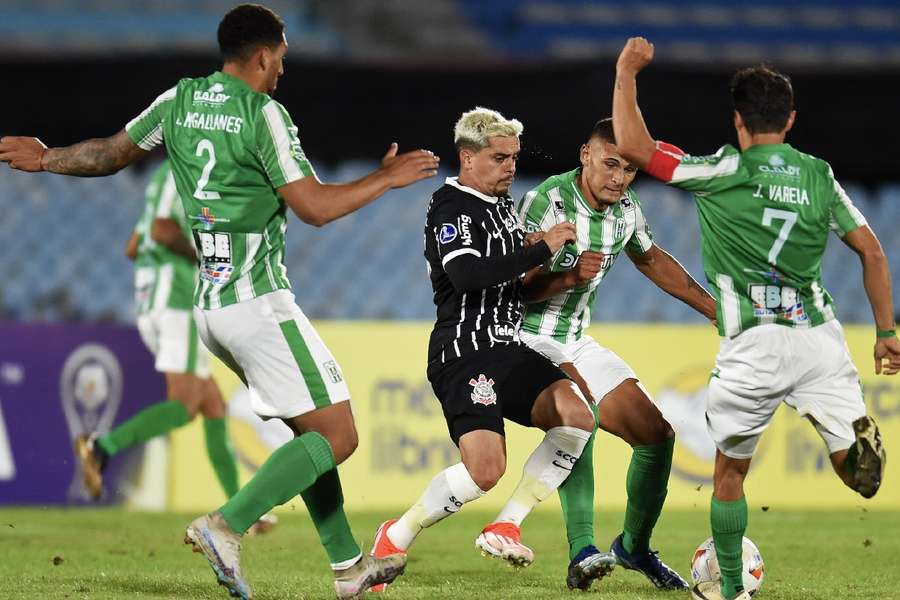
(870, 457)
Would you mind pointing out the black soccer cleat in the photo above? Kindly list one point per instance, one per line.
(871, 457)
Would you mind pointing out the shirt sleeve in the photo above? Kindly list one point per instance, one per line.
(844, 217)
(456, 232)
(279, 147)
(146, 129)
(642, 238)
(536, 211)
(698, 174)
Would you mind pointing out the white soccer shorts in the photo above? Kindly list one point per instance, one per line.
(272, 346)
(810, 369)
(601, 368)
(171, 336)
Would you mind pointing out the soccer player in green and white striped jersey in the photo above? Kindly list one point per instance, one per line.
(238, 166)
(609, 219)
(164, 279)
(766, 212)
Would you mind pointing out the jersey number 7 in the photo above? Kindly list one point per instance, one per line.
(789, 218)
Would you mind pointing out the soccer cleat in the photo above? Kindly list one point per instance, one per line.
(712, 590)
(589, 564)
(871, 457)
(93, 461)
(211, 536)
(659, 573)
(263, 525)
(352, 583)
(383, 547)
(503, 540)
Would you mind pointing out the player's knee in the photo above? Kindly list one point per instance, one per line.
(344, 445)
(487, 472)
(573, 412)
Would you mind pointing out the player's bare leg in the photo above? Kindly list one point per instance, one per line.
(861, 466)
(483, 455)
(353, 572)
(728, 517)
(562, 412)
(93, 451)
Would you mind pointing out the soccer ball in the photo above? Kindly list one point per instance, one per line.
(705, 565)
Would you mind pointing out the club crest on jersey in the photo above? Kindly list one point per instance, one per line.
(483, 390)
(212, 97)
(620, 228)
(448, 233)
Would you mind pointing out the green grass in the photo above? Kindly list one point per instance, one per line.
(118, 555)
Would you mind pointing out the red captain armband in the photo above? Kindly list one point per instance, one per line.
(664, 161)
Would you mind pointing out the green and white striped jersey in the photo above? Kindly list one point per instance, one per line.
(765, 214)
(162, 278)
(620, 226)
(230, 148)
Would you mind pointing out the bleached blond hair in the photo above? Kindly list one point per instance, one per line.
(477, 125)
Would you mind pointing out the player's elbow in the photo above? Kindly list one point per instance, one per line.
(314, 218)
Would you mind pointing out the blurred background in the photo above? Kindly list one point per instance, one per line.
(361, 74)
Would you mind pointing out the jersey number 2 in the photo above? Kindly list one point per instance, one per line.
(206, 146)
(789, 218)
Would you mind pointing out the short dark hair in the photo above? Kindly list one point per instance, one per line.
(245, 28)
(763, 97)
(603, 129)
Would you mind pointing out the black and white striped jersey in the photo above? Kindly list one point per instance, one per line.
(476, 257)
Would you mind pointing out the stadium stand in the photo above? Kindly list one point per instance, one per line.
(369, 265)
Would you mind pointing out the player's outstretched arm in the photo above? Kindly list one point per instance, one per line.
(632, 138)
(90, 158)
(665, 271)
(877, 281)
(319, 203)
(539, 285)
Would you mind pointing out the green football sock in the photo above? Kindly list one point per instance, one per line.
(152, 421)
(646, 485)
(291, 469)
(221, 454)
(576, 494)
(729, 522)
(325, 501)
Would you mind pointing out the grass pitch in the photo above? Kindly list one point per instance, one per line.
(49, 554)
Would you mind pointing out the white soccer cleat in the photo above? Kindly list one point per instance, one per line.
(211, 536)
(712, 590)
(503, 540)
(352, 583)
(871, 457)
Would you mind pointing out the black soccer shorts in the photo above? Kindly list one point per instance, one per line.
(480, 389)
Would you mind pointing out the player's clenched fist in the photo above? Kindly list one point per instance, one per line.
(636, 54)
(22, 153)
(588, 265)
(409, 167)
(887, 356)
(559, 235)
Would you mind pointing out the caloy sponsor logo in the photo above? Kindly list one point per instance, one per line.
(211, 97)
(448, 233)
(777, 166)
(483, 390)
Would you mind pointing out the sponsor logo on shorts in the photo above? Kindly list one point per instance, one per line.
(333, 372)
(448, 233)
(483, 390)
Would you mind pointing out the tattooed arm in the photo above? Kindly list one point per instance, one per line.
(90, 158)
(661, 268)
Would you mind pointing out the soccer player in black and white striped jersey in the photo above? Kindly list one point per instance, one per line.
(478, 368)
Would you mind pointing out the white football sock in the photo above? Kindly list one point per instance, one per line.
(445, 495)
(544, 471)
